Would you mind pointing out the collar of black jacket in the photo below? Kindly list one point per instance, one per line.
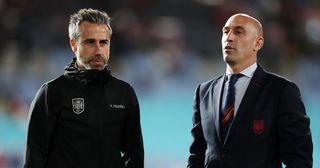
(73, 71)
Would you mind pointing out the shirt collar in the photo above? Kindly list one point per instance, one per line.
(248, 72)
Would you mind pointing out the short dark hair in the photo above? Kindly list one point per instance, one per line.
(88, 15)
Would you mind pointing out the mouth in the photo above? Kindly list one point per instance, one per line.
(228, 47)
(97, 61)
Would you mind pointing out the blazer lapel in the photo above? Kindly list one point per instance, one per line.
(217, 90)
(256, 84)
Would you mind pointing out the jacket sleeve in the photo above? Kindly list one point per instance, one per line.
(294, 132)
(40, 130)
(133, 152)
(198, 145)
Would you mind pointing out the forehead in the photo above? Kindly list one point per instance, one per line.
(239, 22)
(93, 29)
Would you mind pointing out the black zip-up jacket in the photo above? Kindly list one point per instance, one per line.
(84, 119)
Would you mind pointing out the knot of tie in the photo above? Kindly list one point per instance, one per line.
(233, 78)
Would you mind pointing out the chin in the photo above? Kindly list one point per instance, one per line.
(228, 57)
(99, 67)
(96, 68)
(229, 60)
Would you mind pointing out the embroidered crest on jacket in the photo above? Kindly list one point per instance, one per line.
(78, 105)
(258, 126)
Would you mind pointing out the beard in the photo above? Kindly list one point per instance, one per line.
(88, 62)
(98, 57)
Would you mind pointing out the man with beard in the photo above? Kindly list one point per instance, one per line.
(248, 117)
(86, 117)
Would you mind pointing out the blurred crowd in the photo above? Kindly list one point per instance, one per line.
(157, 46)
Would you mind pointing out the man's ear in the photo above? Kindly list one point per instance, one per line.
(259, 44)
(73, 44)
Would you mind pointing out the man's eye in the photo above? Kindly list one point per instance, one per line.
(225, 31)
(105, 42)
(89, 42)
(238, 31)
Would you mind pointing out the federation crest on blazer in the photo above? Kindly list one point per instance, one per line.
(78, 105)
(258, 126)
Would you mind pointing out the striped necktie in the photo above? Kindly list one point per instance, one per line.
(227, 111)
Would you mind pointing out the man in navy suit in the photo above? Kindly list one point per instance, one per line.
(265, 126)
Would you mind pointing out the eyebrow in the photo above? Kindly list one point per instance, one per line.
(89, 39)
(235, 27)
(94, 40)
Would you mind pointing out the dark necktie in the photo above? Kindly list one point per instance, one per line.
(228, 109)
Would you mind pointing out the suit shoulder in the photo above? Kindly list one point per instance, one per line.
(205, 87)
(281, 83)
(207, 84)
(276, 78)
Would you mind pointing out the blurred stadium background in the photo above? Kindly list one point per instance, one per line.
(164, 49)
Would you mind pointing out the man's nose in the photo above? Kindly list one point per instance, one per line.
(97, 48)
(230, 36)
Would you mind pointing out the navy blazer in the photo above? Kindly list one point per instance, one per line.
(270, 128)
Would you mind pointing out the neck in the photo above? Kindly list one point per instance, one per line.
(81, 67)
(237, 68)
(240, 65)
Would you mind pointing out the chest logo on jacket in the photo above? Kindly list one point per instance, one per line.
(258, 126)
(78, 105)
(117, 106)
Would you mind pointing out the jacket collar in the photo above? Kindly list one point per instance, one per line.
(89, 75)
